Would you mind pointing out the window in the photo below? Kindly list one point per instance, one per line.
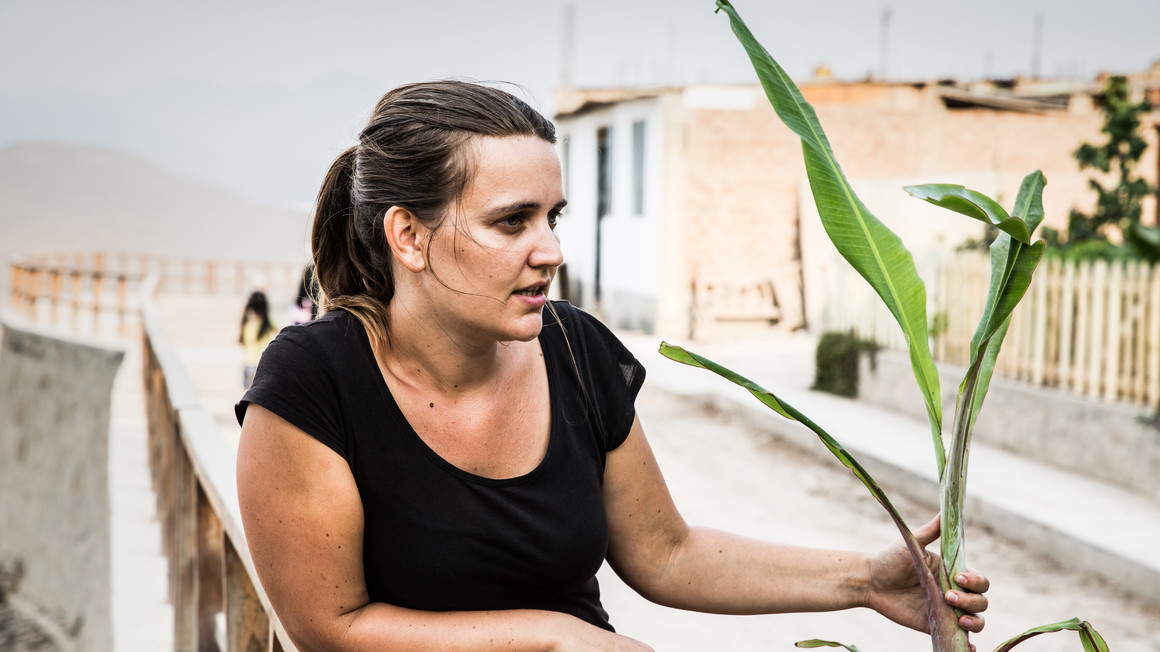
(566, 154)
(638, 167)
(603, 171)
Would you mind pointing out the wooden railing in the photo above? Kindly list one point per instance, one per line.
(177, 274)
(79, 299)
(1092, 328)
(218, 602)
(99, 293)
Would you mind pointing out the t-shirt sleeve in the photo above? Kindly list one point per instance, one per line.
(296, 381)
(617, 377)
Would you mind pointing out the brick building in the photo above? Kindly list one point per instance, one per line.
(690, 213)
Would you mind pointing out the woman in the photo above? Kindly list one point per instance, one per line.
(257, 331)
(438, 462)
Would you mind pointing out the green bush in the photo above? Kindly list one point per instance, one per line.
(836, 362)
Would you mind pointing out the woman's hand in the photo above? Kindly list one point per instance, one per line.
(896, 594)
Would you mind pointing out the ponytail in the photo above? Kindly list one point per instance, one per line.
(348, 252)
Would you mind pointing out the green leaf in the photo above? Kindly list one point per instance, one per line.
(1012, 266)
(1029, 200)
(1088, 636)
(972, 204)
(871, 248)
(817, 642)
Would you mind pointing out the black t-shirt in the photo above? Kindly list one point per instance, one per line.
(436, 537)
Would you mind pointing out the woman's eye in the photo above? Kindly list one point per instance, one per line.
(554, 218)
(512, 222)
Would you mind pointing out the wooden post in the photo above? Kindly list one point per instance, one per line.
(1153, 331)
(210, 573)
(1099, 278)
(54, 296)
(1082, 322)
(76, 297)
(33, 292)
(1113, 339)
(1039, 331)
(122, 302)
(16, 278)
(98, 289)
(1133, 366)
(25, 305)
(247, 625)
(1051, 352)
(184, 551)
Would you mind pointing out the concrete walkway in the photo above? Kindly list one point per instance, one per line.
(1094, 526)
(142, 614)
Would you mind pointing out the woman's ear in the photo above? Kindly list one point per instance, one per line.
(406, 236)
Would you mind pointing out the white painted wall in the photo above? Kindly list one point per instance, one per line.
(632, 246)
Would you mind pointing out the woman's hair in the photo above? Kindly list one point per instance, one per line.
(259, 307)
(412, 154)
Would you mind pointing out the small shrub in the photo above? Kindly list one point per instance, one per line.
(836, 362)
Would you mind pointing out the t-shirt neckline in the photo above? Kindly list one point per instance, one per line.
(392, 406)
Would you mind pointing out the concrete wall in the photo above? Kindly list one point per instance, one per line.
(1106, 441)
(631, 242)
(54, 485)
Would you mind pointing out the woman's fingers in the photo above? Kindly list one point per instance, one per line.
(973, 624)
(929, 532)
(972, 581)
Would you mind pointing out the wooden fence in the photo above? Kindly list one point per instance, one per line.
(1092, 328)
(218, 603)
(99, 293)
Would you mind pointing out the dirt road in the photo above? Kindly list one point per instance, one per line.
(724, 474)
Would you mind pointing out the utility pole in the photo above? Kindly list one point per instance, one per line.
(884, 46)
(1036, 44)
(567, 46)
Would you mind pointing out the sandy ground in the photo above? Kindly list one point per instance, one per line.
(724, 474)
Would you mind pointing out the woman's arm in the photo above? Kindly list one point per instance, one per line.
(660, 556)
(304, 526)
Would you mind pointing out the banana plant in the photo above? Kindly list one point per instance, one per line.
(880, 257)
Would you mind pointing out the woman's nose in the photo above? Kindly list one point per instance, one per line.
(547, 251)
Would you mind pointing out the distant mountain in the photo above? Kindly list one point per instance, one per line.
(270, 144)
(61, 197)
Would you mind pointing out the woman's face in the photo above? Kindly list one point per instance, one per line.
(491, 262)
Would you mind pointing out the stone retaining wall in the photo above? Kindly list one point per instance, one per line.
(54, 480)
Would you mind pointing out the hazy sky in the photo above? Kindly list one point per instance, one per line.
(258, 96)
